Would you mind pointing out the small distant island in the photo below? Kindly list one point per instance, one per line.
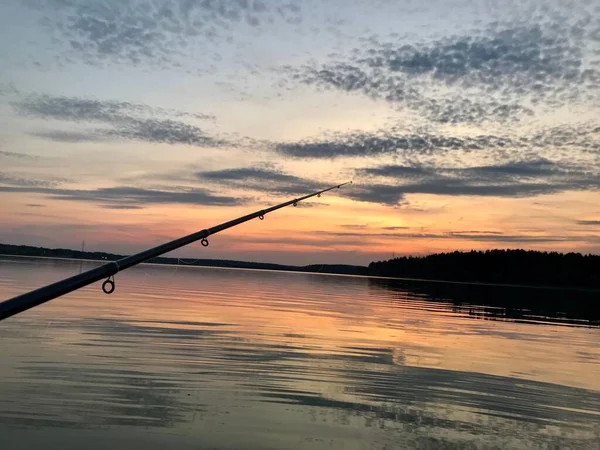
(526, 267)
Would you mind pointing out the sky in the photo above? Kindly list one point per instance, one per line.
(462, 124)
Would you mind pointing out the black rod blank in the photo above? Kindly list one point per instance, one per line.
(36, 297)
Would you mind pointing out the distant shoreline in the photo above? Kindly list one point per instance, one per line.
(42, 252)
(244, 265)
(198, 266)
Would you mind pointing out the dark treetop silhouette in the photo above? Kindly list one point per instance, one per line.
(498, 266)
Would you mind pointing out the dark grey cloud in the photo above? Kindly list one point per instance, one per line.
(390, 142)
(589, 222)
(35, 205)
(565, 140)
(457, 110)
(398, 171)
(520, 169)
(165, 132)
(165, 34)
(512, 179)
(29, 182)
(92, 110)
(497, 74)
(264, 179)
(122, 206)
(582, 137)
(126, 121)
(509, 171)
(75, 109)
(517, 59)
(125, 197)
(375, 193)
(71, 136)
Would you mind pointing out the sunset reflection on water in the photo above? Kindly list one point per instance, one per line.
(226, 358)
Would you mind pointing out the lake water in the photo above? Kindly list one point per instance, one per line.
(204, 358)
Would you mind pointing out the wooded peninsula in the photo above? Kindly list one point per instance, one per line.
(497, 266)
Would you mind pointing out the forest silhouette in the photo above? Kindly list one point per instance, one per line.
(497, 266)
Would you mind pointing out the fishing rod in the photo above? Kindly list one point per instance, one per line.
(36, 297)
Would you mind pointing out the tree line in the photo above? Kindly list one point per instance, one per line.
(497, 266)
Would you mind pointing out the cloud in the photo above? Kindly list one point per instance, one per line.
(582, 137)
(165, 132)
(497, 74)
(71, 136)
(515, 238)
(389, 142)
(122, 206)
(570, 140)
(264, 179)
(92, 110)
(480, 236)
(375, 193)
(125, 197)
(8, 89)
(355, 226)
(365, 226)
(165, 34)
(126, 121)
(5, 154)
(457, 110)
(498, 172)
(517, 58)
(398, 171)
(588, 222)
(76, 109)
(28, 182)
(511, 179)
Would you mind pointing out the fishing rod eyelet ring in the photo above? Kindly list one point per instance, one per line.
(109, 285)
(261, 217)
(318, 195)
(295, 203)
(204, 242)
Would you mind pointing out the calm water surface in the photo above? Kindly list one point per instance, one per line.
(202, 358)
